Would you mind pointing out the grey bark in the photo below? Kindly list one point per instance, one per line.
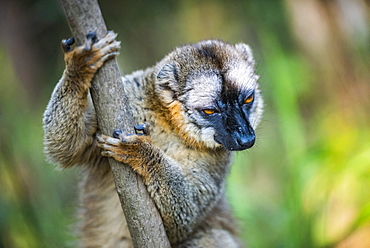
(143, 219)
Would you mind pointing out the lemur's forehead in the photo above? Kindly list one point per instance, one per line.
(207, 86)
(204, 89)
(242, 76)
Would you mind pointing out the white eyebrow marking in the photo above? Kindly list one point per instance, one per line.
(242, 76)
(205, 89)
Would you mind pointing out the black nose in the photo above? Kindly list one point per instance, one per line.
(246, 141)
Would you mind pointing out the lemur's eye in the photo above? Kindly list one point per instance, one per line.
(209, 111)
(249, 99)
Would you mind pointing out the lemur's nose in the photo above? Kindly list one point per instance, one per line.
(246, 141)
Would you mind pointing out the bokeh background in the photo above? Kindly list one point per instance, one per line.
(306, 183)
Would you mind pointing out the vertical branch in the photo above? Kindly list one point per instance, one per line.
(143, 219)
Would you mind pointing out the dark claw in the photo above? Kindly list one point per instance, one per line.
(144, 128)
(66, 44)
(70, 41)
(116, 133)
(92, 36)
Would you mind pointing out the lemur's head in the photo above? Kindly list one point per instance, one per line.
(212, 94)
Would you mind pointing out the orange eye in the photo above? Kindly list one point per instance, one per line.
(249, 99)
(209, 111)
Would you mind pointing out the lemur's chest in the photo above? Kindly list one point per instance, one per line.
(171, 145)
(189, 158)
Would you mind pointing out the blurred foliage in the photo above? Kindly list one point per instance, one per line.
(306, 181)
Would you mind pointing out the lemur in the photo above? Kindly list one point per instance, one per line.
(201, 103)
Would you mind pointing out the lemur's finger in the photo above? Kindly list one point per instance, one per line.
(118, 157)
(112, 47)
(109, 56)
(116, 133)
(91, 39)
(109, 38)
(144, 128)
(103, 139)
(66, 44)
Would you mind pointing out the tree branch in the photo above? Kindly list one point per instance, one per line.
(143, 219)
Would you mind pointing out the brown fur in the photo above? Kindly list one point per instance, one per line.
(182, 165)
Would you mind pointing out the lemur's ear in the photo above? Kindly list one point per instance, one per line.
(246, 51)
(166, 71)
(168, 86)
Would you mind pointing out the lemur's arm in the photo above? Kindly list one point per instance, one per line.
(183, 199)
(69, 120)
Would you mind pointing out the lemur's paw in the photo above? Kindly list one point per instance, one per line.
(127, 148)
(90, 56)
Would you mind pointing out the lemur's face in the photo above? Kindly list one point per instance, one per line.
(218, 91)
(225, 109)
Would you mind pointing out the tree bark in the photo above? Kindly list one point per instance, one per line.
(143, 219)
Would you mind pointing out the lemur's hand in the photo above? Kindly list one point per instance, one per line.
(135, 150)
(89, 57)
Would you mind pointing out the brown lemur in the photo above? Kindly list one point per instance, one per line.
(201, 102)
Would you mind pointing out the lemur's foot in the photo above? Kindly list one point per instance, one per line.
(127, 148)
(89, 57)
